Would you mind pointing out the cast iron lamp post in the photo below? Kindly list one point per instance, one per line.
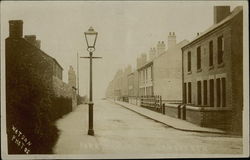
(90, 36)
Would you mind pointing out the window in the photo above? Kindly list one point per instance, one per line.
(189, 61)
(223, 86)
(198, 58)
(211, 92)
(149, 91)
(218, 92)
(220, 49)
(149, 74)
(142, 76)
(205, 92)
(189, 92)
(185, 93)
(142, 91)
(199, 92)
(211, 53)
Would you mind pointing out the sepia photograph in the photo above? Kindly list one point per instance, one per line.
(124, 79)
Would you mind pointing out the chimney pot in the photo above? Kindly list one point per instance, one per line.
(171, 40)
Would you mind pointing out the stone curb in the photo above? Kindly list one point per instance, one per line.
(177, 128)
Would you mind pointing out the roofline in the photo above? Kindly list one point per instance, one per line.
(145, 65)
(43, 52)
(219, 25)
(57, 63)
(205, 34)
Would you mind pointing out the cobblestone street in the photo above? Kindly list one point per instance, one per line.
(121, 131)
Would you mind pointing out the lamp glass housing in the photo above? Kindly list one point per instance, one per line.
(91, 36)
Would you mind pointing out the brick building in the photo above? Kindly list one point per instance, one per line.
(36, 96)
(117, 82)
(29, 47)
(213, 72)
(133, 84)
(125, 74)
(161, 75)
(110, 90)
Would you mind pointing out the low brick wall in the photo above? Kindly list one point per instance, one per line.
(209, 117)
(171, 110)
(203, 116)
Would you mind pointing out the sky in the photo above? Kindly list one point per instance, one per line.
(125, 29)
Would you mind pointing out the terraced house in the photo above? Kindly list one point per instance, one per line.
(213, 73)
(161, 74)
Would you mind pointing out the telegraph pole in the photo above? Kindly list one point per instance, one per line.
(78, 73)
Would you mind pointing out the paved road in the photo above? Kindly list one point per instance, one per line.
(121, 131)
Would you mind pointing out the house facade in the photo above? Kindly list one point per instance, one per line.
(212, 73)
(162, 74)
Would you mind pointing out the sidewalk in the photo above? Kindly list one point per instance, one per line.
(167, 120)
(73, 138)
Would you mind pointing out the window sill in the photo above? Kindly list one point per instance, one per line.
(221, 65)
(199, 70)
(189, 72)
(211, 67)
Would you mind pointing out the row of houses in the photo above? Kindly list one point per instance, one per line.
(203, 77)
(36, 94)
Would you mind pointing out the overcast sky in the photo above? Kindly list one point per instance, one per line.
(126, 29)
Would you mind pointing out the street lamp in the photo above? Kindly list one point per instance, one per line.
(90, 36)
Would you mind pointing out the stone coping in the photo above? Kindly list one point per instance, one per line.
(172, 105)
(197, 108)
(208, 108)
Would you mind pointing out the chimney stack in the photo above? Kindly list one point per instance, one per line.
(152, 53)
(160, 47)
(220, 12)
(15, 28)
(31, 39)
(171, 39)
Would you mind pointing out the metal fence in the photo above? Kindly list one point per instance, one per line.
(152, 102)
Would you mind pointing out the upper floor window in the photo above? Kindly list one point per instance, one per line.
(189, 61)
(199, 58)
(211, 53)
(220, 49)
